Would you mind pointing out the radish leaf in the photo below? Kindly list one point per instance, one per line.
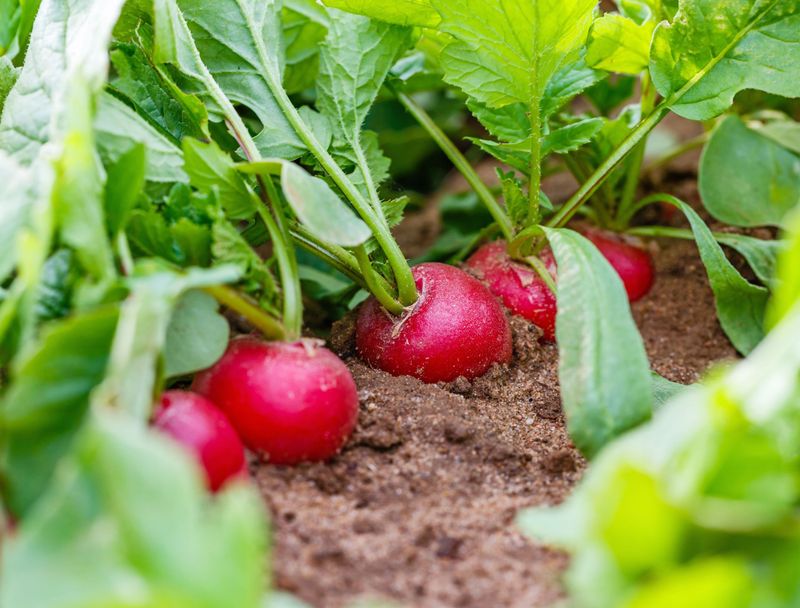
(399, 12)
(618, 44)
(747, 179)
(713, 50)
(603, 369)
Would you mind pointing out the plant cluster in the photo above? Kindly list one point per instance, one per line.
(172, 168)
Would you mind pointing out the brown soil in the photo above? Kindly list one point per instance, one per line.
(420, 505)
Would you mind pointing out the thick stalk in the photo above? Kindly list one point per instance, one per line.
(240, 304)
(535, 182)
(459, 161)
(590, 186)
(375, 286)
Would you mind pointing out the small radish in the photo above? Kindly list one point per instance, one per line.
(518, 285)
(194, 422)
(456, 328)
(290, 402)
(633, 263)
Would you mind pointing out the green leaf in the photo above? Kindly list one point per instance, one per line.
(747, 179)
(128, 522)
(17, 196)
(8, 76)
(305, 24)
(642, 11)
(713, 50)
(124, 185)
(784, 131)
(230, 247)
(569, 82)
(505, 52)
(740, 305)
(356, 57)
(234, 49)
(399, 12)
(132, 377)
(761, 254)
(618, 44)
(119, 129)
(210, 168)
(320, 210)
(78, 188)
(69, 39)
(509, 124)
(9, 22)
(572, 136)
(603, 370)
(181, 242)
(197, 335)
(664, 390)
(58, 279)
(355, 60)
(47, 400)
(155, 97)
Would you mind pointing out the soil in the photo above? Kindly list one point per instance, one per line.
(420, 506)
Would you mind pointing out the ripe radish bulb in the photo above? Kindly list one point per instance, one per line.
(289, 402)
(456, 328)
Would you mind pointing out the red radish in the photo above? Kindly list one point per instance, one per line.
(633, 263)
(289, 402)
(194, 422)
(456, 328)
(518, 285)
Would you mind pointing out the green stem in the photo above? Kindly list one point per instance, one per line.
(287, 261)
(536, 263)
(124, 253)
(406, 287)
(460, 162)
(535, 183)
(338, 257)
(590, 186)
(653, 198)
(375, 286)
(634, 171)
(241, 304)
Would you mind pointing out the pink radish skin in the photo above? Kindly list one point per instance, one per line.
(289, 402)
(633, 262)
(195, 423)
(518, 285)
(456, 328)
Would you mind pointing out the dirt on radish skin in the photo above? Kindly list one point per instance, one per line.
(419, 506)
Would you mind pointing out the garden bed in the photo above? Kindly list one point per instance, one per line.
(421, 504)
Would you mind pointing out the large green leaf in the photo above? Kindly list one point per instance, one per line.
(232, 47)
(747, 179)
(712, 50)
(16, 196)
(128, 523)
(355, 59)
(305, 23)
(47, 400)
(761, 254)
(68, 39)
(504, 51)
(399, 12)
(603, 369)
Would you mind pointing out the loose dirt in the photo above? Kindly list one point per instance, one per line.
(420, 506)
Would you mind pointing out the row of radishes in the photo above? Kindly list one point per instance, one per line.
(295, 402)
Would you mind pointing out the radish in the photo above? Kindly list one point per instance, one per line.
(518, 285)
(289, 402)
(194, 422)
(629, 258)
(456, 328)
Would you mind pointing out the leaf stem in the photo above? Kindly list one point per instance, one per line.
(271, 328)
(459, 161)
(377, 289)
(590, 186)
(406, 287)
(535, 182)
